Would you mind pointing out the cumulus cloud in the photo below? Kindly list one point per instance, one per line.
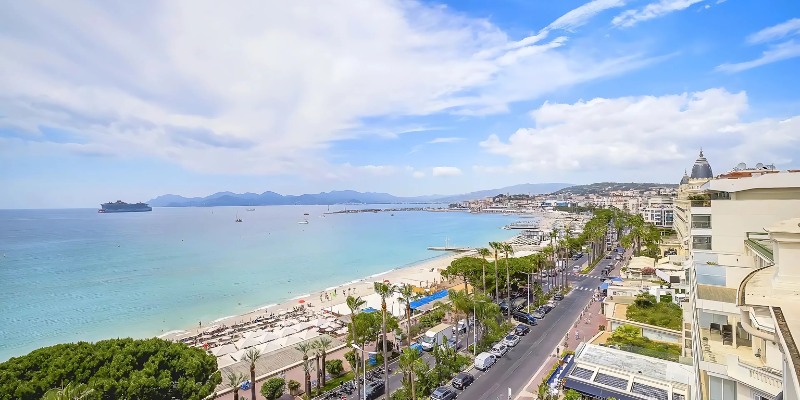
(445, 171)
(629, 18)
(775, 51)
(265, 87)
(642, 132)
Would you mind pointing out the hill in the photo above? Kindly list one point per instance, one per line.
(603, 188)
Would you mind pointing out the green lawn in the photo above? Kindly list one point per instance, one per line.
(665, 315)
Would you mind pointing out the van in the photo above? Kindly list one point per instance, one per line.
(484, 360)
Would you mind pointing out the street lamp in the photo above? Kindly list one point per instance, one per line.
(364, 364)
(475, 326)
(529, 287)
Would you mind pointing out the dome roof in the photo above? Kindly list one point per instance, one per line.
(685, 178)
(701, 168)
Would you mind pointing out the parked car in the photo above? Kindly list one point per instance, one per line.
(484, 361)
(522, 330)
(462, 380)
(511, 340)
(576, 268)
(608, 257)
(546, 308)
(558, 297)
(524, 318)
(373, 390)
(499, 350)
(443, 393)
(538, 314)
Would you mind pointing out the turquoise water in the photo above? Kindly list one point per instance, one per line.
(71, 275)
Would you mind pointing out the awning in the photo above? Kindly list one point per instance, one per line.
(369, 310)
(616, 279)
(596, 391)
(428, 299)
(604, 286)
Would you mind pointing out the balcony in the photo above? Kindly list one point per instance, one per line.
(700, 203)
(701, 224)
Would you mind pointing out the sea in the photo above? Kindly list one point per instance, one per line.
(77, 275)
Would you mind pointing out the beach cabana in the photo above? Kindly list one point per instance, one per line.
(288, 341)
(248, 342)
(318, 322)
(239, 355)
(224, 349)
(305, 335)
(268, 347)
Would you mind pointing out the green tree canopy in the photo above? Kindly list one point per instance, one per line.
(273, 388)
(113, 369)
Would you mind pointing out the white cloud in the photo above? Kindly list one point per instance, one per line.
(779, 52)
(418, 174)
(445, 171)
(581, 15)
(642, 132)
(446, 140)
(265, 87)
(779, 31)
(629, 18)
(775, 52)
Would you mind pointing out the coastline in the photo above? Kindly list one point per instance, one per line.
(421, 273)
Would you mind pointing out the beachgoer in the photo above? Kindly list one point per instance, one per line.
(200, 324)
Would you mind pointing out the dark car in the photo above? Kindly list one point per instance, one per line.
(443, 393)
(524, 318)
(546, 308)
(374, 390)
(522, 330)
(462, 380)
(608, 257)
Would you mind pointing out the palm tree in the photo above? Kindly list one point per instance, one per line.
(496, 246)
(407, 295)
(409, 361)
(461, 306)
(354, 304)
(323, 345)
(315, 347)
(384, 290)
(305, 347)
(507, 250)
(235, 380)
(484, 253)
(70, 392)
(252, 355)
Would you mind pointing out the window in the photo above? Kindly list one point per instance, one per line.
(721, 389)
(701, 221)
(713, 275)
(701, 242)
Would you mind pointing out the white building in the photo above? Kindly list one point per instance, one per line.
(745, 269)
(658, 211)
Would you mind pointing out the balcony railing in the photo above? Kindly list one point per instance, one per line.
(701, 203)
(701, 224)
(701, 246)
(770, 376)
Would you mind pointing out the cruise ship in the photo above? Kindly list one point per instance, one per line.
(121, 206)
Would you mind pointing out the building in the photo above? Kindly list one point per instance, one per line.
(658, 211)
(690, 207)
(744, 271)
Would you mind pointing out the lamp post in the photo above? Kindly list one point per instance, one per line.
(529, 288)
(475, 327)
(364, 368)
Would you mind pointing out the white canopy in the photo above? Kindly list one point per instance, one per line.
(287, 331)
(225, 361)
(267, 337)
(268, 347)
(307, 334)
(239, 355)
(224, 349)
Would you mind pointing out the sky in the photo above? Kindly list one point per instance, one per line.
(106, 100)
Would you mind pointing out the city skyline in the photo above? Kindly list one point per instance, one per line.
(133, 101)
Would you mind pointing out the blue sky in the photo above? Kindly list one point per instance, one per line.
(131, 100)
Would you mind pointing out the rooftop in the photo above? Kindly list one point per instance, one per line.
(761, 180)
(716, 293)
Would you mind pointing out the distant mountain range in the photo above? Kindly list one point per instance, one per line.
(269, 198)
(606, 187)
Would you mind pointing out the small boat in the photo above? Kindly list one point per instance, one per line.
(305, 214)
(305, 221)
(237, 218)
(251, 209)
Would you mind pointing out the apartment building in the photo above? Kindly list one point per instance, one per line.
(658, 211)
(744, 272)
(690, 211)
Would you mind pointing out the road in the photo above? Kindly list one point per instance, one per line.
(515, 369)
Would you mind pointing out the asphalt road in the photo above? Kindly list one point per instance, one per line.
(516, 367)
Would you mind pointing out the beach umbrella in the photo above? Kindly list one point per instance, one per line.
(239, 355)
(268, 347)
(305, 335)
(301, 301)
(318, 321)
(324, 326)
(225, 361)
(268, 336)
(293, 321)
(330, 329)
(303, 326)
(211, 329)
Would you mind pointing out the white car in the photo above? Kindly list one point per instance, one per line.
(484, 361)
(511, 340)
(499, 350)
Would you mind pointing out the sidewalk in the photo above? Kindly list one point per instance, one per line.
(587, 327)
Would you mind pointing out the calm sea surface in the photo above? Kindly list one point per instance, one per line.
(71, 275)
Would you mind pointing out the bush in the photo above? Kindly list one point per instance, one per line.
(115, 369)
(334, 367)
(293, 386)
(273, 388)
(664, 314)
